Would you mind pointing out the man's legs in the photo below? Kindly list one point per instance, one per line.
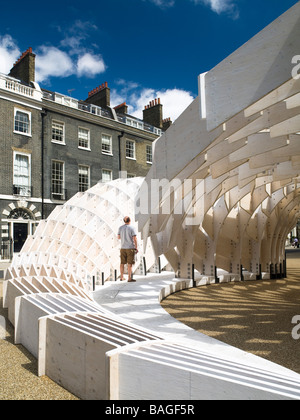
(129, 267)
(123, 262)
(122, 272)
(127, 257)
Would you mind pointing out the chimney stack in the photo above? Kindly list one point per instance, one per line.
(166, 123)
(122, 108)
(152, 114)
(100, 96)
(24, 67)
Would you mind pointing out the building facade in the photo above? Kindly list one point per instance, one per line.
(53, 146)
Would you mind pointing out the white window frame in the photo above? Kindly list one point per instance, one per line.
(88, 147)
(105, 152)
(126, 149)
(88, 177)
(157, 131)
(16, 110)
(111, 176)
(149, 147)
(28, 155)
(63, 179)
(63, 141)
(135, 123)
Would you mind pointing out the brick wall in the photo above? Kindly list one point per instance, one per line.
(24, 68)
(139, 165)
(153, 113)
(12, 142)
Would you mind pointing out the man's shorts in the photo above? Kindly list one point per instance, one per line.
(127, 256)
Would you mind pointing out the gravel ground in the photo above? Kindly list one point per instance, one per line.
(254, 316)
(18, 369)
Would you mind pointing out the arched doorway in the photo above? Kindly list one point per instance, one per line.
(19, 221)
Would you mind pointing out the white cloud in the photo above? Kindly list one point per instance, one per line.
(76, 35)
(163, 4)
(174, 101)
(52, 62)
(69, 57)
(9, 53)
(217, 6)
(90, 65)
(139, 99)
(72, 43)
(221, 6)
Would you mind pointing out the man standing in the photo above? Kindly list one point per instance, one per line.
(127, 235)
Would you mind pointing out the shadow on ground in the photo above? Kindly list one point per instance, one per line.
(253, 316)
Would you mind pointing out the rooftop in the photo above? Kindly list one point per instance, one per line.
(34, 91)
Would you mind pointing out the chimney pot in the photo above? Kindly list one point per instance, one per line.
(152, 114)
(99, 96)
(24, 67)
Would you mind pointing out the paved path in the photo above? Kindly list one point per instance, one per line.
(254, 316)
(138, 303)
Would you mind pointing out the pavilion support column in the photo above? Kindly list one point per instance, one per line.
(255, 264)
(235, 263)
(185, 257)
(184, 270)
(209, 262)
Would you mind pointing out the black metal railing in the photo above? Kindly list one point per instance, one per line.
(59, 194)
(107, 113)
(22, 190)
(6, 249)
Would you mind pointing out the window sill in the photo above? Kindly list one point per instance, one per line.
(87, 149)
(58, 142)
(22, 134)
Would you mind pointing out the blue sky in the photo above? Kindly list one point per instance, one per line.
(144, 49)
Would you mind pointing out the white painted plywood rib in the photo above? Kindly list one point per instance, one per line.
(254, 70)
(244, 167)
(81, 236)
(163, 363)
(237, 145)
(29, 308)
(78, 343)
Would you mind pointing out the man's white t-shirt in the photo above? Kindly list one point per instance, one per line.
(127, 233)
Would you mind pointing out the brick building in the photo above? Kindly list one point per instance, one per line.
(53, 146)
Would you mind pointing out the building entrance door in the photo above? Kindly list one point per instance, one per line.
(20, 233)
